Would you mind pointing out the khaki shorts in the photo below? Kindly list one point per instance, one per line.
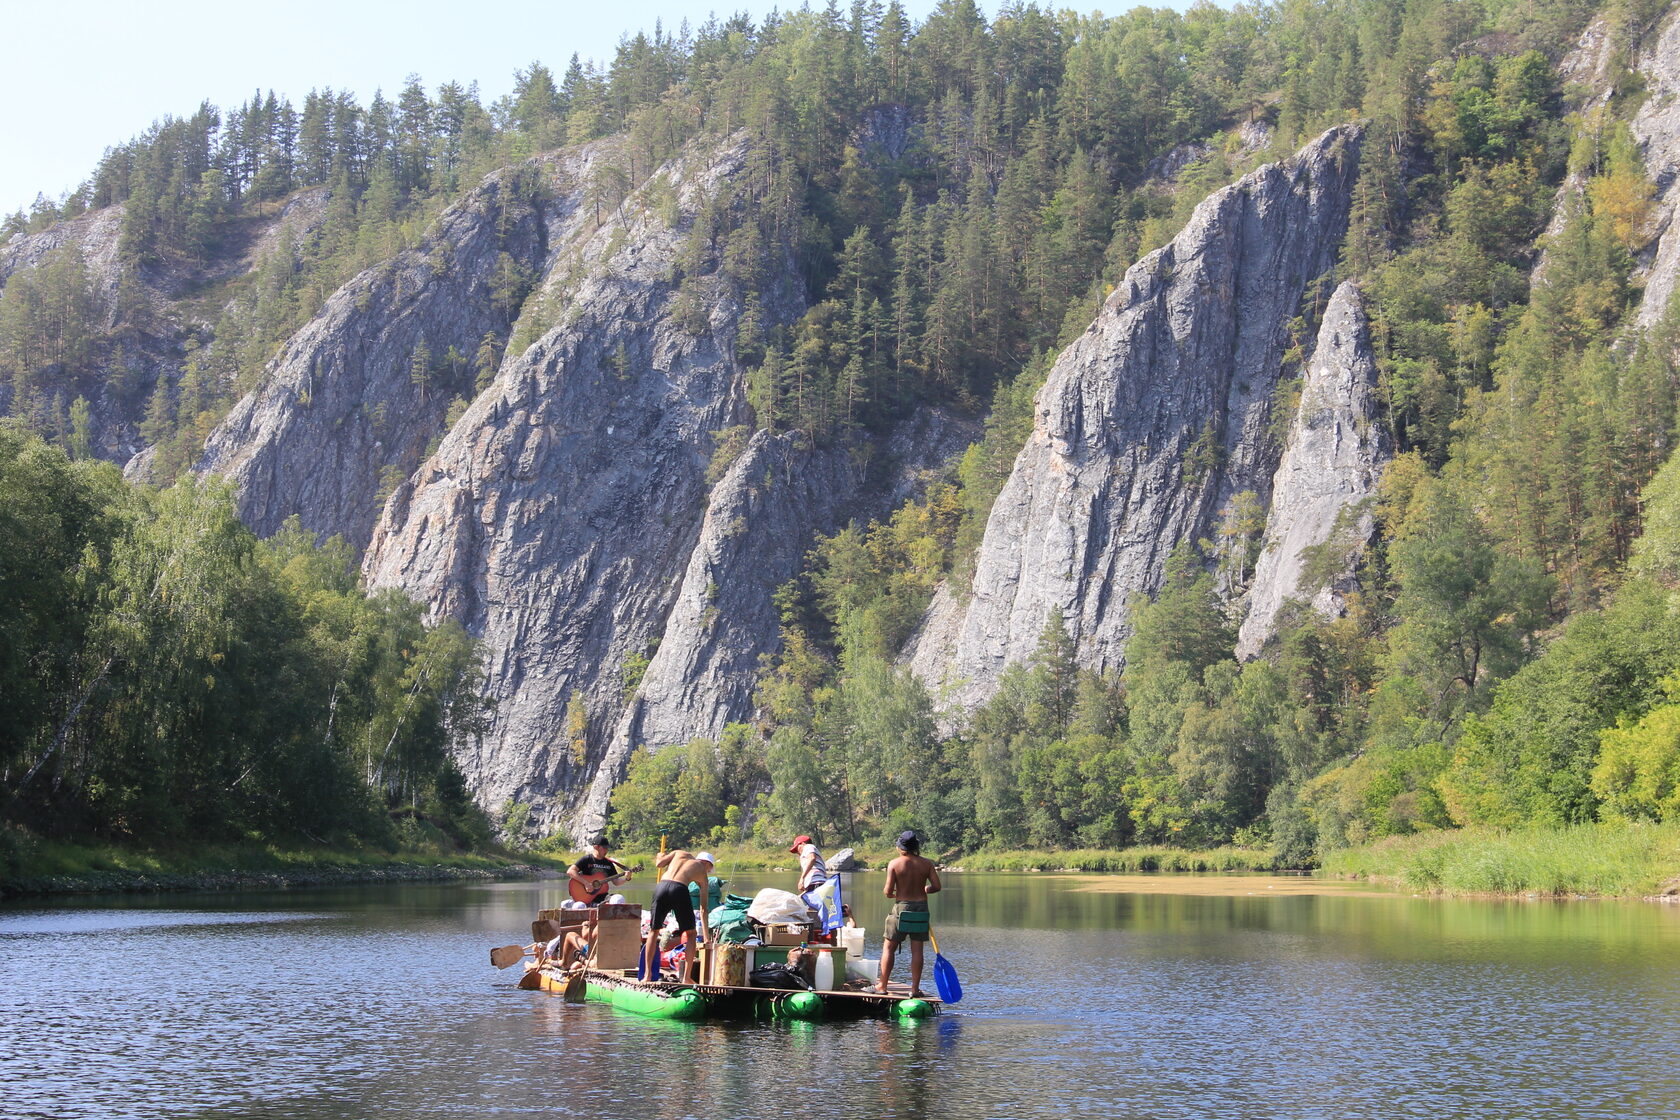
(907, 920)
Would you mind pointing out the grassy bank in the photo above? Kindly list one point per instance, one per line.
(1607, 861)
(1622, 861)
(32, 866)
(1127, 860)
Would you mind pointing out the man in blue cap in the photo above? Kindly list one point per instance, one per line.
(910, 879)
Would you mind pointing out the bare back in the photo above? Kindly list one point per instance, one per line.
(681, 867)
(911, 879)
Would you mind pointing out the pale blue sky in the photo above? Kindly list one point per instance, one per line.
(83, 76)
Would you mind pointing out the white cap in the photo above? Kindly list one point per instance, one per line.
(615, 900)
(704, 857)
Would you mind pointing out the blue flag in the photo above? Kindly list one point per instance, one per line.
(827, 902)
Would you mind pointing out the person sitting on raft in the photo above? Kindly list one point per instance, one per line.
(671, 897)
(910, 879)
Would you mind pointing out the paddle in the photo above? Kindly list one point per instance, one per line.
(944, 975)
(507, 955)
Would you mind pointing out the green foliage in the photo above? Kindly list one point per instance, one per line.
(170, 677)
(1637, 775)
(1467, 611)
(1532, 756)
(692, 794)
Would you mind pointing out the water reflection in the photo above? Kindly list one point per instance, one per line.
(380, 1003)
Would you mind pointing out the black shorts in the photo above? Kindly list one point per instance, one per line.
(672, 897)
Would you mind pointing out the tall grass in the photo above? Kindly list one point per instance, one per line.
(1130, 860)
(1623, 860)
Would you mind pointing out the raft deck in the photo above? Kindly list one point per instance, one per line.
(691, 1002)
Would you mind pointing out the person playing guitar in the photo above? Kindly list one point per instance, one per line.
(594, 876)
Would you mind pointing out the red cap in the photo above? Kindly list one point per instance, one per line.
(799, 842)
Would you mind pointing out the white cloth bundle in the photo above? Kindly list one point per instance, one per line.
(772, 905)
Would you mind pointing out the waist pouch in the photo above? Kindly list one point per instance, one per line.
(911, 921)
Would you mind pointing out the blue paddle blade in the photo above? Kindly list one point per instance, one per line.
(945, 980)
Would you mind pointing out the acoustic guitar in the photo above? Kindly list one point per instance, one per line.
(592, 891)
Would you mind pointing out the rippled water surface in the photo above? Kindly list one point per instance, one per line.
(381, 1002)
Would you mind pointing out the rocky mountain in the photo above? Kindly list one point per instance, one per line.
(1321, 517)
(1146, 426)
(535, 420)
(1656, 126)
(352, 401)
(568, 521)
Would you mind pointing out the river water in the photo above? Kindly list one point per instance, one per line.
(1084, 996)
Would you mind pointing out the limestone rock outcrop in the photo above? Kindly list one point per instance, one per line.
(1147, 424)
(352, 401)
(1657, 128)
(1321, 517)
(557, 516)
(95, 236)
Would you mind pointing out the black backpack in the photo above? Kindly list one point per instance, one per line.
(778, 976)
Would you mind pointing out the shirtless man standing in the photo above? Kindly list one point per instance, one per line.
(910, 879)
(670, 896)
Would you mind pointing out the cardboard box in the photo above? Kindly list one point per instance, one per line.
(618, 910)
(777, 933)
(617, 944)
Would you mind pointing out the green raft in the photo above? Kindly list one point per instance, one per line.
(664, 1001)
(691, 1003)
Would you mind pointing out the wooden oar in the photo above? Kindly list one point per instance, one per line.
(507, 956)
(944, 975)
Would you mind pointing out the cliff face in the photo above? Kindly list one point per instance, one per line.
(353, 399)
(1146, 425)
(558, 518)
(760, 520)
(1657, 128)
(1321, 517)
(94, 235)
(144, 313)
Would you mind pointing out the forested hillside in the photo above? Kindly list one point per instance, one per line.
(924, 218)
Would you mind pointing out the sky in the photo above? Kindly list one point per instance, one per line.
(73, 87)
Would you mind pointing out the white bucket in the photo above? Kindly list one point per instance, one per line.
(850, 938)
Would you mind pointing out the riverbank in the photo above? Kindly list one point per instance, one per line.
(37, 867)
(1127, 861)
(1586, 861)
(1582, 861)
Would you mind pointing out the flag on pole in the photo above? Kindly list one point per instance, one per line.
(826, 901)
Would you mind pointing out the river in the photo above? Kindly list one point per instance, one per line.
(1084, 996)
